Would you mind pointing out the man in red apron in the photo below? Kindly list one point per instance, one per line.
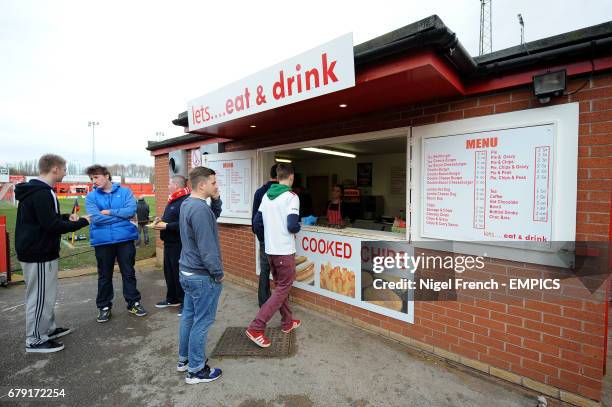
(334, 207)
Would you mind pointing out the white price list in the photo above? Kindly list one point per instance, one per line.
(494, 185)
(480, 188)
(541, 184)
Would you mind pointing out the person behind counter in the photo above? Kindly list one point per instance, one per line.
(263, 290)
(276, 222)
(335, 208)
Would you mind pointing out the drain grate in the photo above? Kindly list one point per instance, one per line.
(234, 343)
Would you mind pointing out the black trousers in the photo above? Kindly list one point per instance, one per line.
(263, 291)
(125, 254)
(175, 292)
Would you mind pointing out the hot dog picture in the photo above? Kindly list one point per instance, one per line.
(305, 272)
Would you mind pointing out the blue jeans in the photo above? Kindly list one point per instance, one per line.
(199, 310)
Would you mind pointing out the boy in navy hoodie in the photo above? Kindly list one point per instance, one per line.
(263, 290)
(112, 235)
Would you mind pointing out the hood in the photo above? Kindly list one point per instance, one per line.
(26, 189)
(277, 190)
(115, 188)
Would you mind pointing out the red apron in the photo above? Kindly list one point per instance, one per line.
(334, 217)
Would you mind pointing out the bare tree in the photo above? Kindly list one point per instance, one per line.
(30, 167)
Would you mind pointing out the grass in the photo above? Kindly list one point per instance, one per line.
(82, 255)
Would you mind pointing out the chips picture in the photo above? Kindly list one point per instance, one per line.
(337, 279)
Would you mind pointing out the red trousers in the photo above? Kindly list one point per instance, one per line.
(283, 272)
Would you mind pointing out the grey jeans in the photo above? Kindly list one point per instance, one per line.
(143, 230)
(41, 292)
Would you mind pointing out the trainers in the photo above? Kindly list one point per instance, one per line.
(137, 310)
(165, 304)
(48, 347)
(258, 337)
(180, 313)
(205, 375)
(295, 324)
(59, 332)
(104, 314)
(182, 366)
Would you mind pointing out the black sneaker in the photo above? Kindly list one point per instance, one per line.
(137, 310)
(59, 332)
(47, 347)
(180, 313)
(104, 314)
(165, 304)
(205, 375)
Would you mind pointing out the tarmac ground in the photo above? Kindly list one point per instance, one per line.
(132, 361)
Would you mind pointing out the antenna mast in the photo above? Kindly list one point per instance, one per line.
(486, 28)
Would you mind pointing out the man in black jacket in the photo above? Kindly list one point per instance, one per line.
(263, 290)
(169, 233)
(142, 216)
(38, 231)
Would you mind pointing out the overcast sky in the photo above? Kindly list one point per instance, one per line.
(133, 65)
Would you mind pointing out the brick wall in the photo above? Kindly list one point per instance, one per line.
(238, 250)
(161, 197)
(553, 344)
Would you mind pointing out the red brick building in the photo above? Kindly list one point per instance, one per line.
(411, 86)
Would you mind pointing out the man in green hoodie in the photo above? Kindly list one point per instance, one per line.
(276, 223)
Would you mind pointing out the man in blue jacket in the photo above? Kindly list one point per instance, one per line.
(112, 235)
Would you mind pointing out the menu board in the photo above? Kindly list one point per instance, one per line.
(234, 182)
(489, 186)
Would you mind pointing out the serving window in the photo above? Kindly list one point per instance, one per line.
(354, 185)
(353, 198)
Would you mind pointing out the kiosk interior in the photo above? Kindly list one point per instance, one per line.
(371, 176)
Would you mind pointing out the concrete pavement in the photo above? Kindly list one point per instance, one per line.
(131, 360)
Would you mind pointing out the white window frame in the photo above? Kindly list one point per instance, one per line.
(237, 155)
(565, 169)
(351, 138)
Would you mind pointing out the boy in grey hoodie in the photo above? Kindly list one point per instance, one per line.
(201, 274)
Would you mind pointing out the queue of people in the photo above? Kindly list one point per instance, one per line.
(193, 267)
